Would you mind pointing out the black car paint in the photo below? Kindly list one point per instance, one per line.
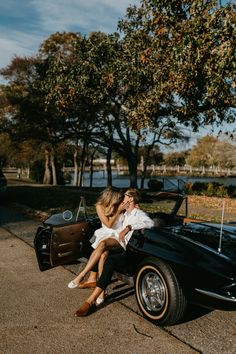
(197, 265)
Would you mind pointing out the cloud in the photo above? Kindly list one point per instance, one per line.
(26, 24)
(61, 15)
(17, 44)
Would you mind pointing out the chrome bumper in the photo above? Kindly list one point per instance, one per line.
(225, 296)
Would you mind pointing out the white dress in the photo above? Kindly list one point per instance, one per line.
(106, 232)
(137, 219)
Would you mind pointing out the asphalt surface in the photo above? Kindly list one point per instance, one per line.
(37, 310)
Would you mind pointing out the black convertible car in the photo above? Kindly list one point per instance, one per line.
(178, 261)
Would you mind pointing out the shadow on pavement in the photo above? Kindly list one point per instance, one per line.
(194, 312)
(8, 215)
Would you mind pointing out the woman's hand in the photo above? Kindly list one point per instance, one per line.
(123, 233)
(123, 206)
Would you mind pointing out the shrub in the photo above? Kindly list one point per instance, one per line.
(231, 191)
(37, 171)
(217, 189)
(211, 189)
(155, 185)
(222, 191)
(188, 188)
(199, 187)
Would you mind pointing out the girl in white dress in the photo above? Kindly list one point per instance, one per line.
(109, 208)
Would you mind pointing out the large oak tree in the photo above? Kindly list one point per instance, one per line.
(172, 66)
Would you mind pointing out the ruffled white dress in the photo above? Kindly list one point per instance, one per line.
(106, 232)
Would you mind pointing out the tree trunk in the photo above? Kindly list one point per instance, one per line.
(54, 171)
(75, 179)
(133, 170)
(82, 165)
(145, 165)
(146, 161)
(47, 172)
(91, 174)
(91, 169)
(143, 177)
(108, 167)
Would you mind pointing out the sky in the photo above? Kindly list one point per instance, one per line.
(25, 24)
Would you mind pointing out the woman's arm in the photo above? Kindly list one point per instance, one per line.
(109, 221)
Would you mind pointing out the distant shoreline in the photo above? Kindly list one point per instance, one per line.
(122, 181)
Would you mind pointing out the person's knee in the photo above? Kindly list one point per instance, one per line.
(104, 255)
(102, 246)
(109, 262)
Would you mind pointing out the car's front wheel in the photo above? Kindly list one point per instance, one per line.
(158, 292)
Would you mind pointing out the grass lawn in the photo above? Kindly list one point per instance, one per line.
(52, 200)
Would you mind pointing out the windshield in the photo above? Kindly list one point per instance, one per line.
(167, 203)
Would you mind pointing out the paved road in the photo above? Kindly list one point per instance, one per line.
(36, 310)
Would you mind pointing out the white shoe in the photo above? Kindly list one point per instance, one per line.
(100, 300)
(72, 285)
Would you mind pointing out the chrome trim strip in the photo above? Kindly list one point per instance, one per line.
(217, 296)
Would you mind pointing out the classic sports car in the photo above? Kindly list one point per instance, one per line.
(177, 262)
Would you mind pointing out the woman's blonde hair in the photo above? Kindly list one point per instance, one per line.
(110, 199)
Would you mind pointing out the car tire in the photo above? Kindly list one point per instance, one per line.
(158, 292)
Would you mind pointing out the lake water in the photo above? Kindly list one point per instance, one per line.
(100, 180)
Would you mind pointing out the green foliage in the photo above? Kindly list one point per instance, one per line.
(60, 175)
(155, 185)
(178, 58)
(231, 191)
(199, 187)
(176, 158)
(213, 189)
(37, 171)
(212, 152)
(216, 189)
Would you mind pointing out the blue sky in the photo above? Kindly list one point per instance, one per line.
(25, 24)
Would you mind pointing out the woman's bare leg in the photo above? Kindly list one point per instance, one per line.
(95, 294)
(102, 261)
(92, 278)
(95, 256)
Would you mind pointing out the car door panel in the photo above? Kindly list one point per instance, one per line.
(63, 244)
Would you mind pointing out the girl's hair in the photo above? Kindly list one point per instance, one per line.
(110, 198)
(134, 193)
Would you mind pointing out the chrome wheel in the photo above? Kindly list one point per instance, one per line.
(153, 291)
(158, 292)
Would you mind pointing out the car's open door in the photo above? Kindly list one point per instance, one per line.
(63, 244)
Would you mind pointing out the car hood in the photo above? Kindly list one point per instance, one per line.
(221, 239)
